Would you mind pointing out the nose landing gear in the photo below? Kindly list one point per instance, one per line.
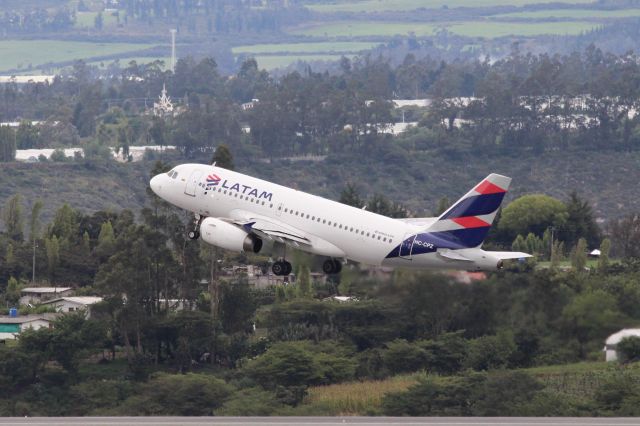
(195, 233)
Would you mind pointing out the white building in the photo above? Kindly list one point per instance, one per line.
(25, 79)
(11, 327)
(37, 295)
(74, 304)
(611, 345)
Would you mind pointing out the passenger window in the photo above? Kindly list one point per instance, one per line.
(324, 220)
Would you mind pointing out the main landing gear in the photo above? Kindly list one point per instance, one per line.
(281, 268)
(331, 266)
(195, 233)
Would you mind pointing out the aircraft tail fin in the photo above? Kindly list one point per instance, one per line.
(466, 223)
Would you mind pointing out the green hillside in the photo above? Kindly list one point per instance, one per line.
(608, 180)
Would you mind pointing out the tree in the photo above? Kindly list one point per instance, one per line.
(532, 213)
(303, 281)
(52, 247)
(7, 144)
(591, 315)
(628, 349)
(13, 218)
(98, 21)
(579, 255)
(222, 157)
(603, 260)
(580, 222)
(34, 223)
(443, 205)
(350, 196)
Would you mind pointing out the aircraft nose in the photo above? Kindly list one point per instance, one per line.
(156, 184)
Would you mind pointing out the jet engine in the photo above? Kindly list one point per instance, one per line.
(484, 261)
(227, 236)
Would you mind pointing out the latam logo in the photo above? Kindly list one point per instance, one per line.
(213, 180)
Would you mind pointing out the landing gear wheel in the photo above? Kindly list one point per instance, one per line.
(195, 234)
(287, 268)
(281, 268)
(331, 266)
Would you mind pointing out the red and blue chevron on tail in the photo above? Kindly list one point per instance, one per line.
(467, 222)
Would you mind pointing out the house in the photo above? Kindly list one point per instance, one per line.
(12, 326)
(611, 344)
(37, 295)
(73, 304)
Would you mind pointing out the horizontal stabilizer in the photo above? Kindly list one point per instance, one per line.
(453, 255)
(506, 255)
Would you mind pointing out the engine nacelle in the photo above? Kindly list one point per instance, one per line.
(483, 261)
(227, 236)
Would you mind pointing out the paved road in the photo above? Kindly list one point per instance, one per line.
(319, 421)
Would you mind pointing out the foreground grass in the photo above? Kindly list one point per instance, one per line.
(358, 398)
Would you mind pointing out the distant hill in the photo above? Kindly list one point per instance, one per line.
(608, 180)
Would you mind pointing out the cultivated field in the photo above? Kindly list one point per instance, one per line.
(323, 47)
(24, 54)
(572, 14)
(395, 5)
(489, 29)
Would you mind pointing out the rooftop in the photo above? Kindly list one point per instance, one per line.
(44, 289)
(80, 300)
(21, 319)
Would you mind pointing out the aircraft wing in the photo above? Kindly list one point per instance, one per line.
(506, 255)
(271, 229)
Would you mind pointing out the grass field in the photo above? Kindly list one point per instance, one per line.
(270, 62)
(572, 13)
(307, 48)
(25, 53)
(358, 398)
(487, 29)
(398, 5)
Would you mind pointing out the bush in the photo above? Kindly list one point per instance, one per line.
(446, 354)
(618, 396)
(477, 394)
(629, 349)
(402, 357)
(490, 352)
(177, 395)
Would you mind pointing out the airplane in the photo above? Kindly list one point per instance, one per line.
(241, 213)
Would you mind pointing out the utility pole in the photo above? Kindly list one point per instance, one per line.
(33, 264)
(173, 49)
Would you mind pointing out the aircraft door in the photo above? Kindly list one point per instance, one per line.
(279, 209)
(192, 183)
(407, 246)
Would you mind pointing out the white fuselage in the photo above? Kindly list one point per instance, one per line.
(351, 233)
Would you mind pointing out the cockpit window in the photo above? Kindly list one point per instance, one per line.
(175, 175)
(170, 172)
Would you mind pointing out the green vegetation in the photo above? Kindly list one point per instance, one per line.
(16, 54)
(270, 62)
(88, 20)
(306, 48)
